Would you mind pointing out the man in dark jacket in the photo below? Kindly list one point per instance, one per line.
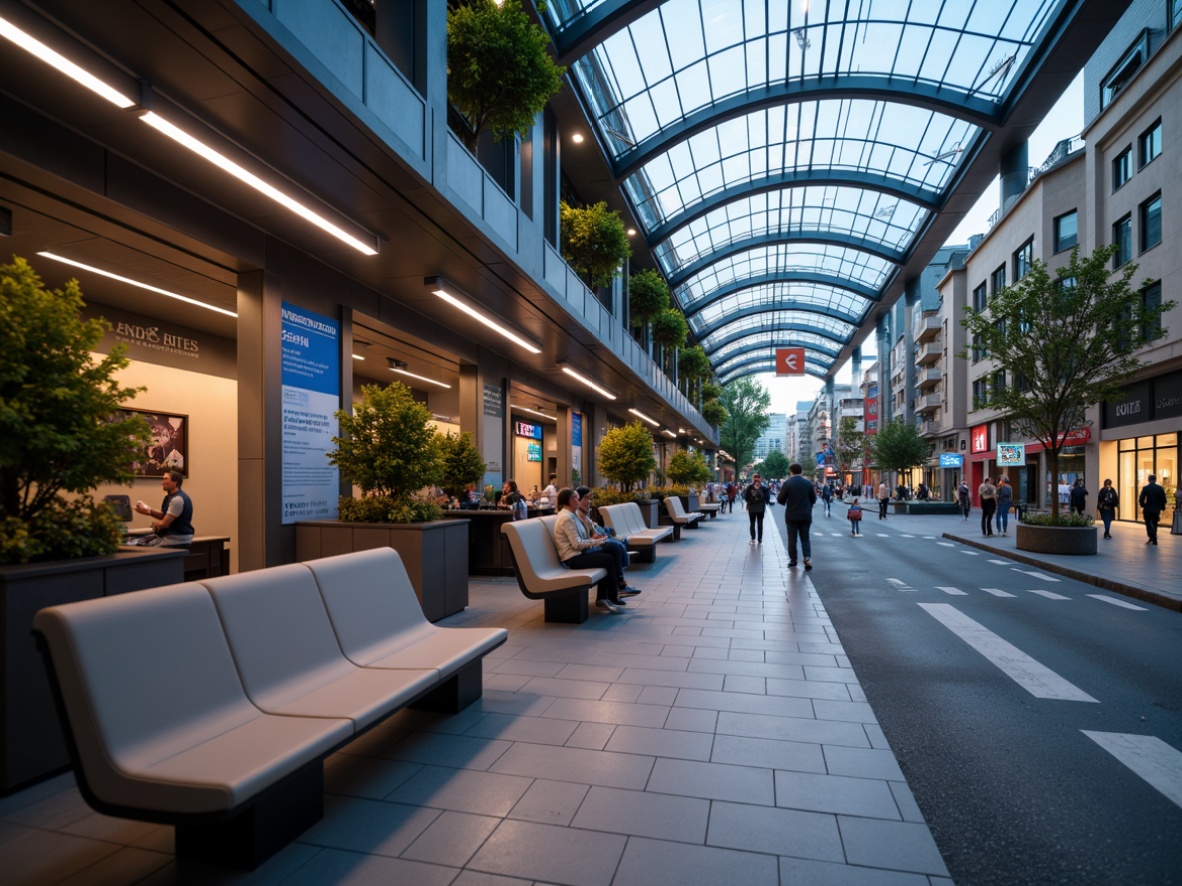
(1152, 501)
(756, 496)
(798, 496)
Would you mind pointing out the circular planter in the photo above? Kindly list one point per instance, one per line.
(1056, 539)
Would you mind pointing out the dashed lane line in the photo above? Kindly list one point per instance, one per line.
(1000, 562)
(1148, 756)
(946, 544)
(1115, 602)
(997, 592)
(1050, 595)
(1035, 574)
(956, 592)
(1037, 679)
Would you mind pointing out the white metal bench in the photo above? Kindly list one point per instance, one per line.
(541, 575)
(625, 518)
(679, 517)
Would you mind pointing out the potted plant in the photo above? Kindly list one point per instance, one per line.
(61, 435)
(688, 469)
(669, 331)
(626, 457)
(389, 450)
(648, 295)
(499, 72)
(461, 464)
(594, 242)
(693, 368)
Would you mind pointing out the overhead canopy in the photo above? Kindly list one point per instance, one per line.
(784, 158)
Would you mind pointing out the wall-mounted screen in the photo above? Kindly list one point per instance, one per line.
(533, 452)
(525, 429)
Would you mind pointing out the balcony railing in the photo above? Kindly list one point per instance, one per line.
(927, 354)
(927, 330)
(928, 378)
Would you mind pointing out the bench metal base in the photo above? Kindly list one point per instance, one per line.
(456, 692)
(253, 835)
(567, 608)
(646, 554)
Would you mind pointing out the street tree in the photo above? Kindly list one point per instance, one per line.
(775, 465)
(898, 446)
(850, 446)
(687, 468)
(746, 402)
(626, 455)
(1059, 344)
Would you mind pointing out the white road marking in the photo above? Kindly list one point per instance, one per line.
(882, 535)
(1116, 602)
(929, 537)
(1037, 679)
(907, 536)
(956, 592)
(1050, 595)
(997, 592)
(1000, 562)
(1148, 756)
(898, 581)
(837, 534)
(1035, 574)
(972, 553)
(946, 544)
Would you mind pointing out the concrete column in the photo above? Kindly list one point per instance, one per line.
(484, 413)
(856, 373)
(883, 328)
(911, 299)
(1015, 168)
(831, 407)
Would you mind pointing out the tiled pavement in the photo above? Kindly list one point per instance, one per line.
(713, 733)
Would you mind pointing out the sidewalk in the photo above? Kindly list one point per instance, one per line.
(1124, 564)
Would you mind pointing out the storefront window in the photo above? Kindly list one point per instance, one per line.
(1137, 459)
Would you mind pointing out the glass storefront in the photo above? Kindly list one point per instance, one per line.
(1138, 457)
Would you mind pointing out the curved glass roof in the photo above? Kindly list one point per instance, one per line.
(783, 157)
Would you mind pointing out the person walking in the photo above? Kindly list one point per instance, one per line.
(826, 497)
(1005, 501)
(756, 496)
(854, 515)
(965, 500)
(1079, 497)
(987, 492)
(1152, 501)
(1107, 501)
(798, 496)
(884, 496)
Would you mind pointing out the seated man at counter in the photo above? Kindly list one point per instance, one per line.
(577, 550)
(173, 523)
(512, 500)
(618, 547)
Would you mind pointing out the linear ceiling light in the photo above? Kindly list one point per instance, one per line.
(130, 282)
(533, 412)
(51, 57)
(358, 357)
(226, 164)
(578, 376)
(399, 367)
(651, 421)
(668, 433)
(492, 324)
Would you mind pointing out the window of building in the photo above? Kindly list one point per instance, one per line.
(980, 298)
(1175, 13)
(1151, 222)
(1151, 301)
(998, 280)
(1021, 383)
(1149, 144)
(1122, 168)
(1067, 229)
(979, 352)
(1124, 70)
(1122, 236)
(980, 392)
(1023, 259)
(999, 383)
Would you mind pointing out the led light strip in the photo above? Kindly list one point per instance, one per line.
(588, 382)
(130, 282)
(651, 421)
(51, 57)
(487, 321)
(429, 381)
(534, 412)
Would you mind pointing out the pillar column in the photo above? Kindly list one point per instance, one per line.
(910, 299)
(883, 328)
(1014, 171)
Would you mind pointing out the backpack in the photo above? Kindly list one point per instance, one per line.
(855, 513)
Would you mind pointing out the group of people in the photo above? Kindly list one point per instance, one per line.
(996, 503)
(584, 544)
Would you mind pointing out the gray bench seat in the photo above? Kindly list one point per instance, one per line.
(541, 575)
(710, 509)
(680, 518)
(627, 521)
(212, 705)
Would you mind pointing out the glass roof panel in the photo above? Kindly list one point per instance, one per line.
(767, 328)
(824, 300)
(879, 219)
(835, 261)
(908, 145)
(808, 339)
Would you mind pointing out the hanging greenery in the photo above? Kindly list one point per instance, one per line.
(499, 73)
(648, 295)
(594, 242)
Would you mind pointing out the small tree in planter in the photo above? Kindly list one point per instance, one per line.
(594, 242)
(388, 448)
(626, 455)
(60, 436)
(669, 331)
(648, 295)
(1063, 343)
(499, 73)
(694, 368)
(462, 462)
(687, 468)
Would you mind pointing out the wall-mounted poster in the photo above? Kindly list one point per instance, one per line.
(166, 448)
(1011, 455)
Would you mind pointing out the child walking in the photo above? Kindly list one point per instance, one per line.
(854, 514)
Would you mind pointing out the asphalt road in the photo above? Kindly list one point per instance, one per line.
(1014, 789)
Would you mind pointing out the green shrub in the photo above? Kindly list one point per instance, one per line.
(389, 509)
(1061, 520)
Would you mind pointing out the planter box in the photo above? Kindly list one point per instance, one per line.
(1056, 539)
(933, 507)
(435, 555)
(651, 511)
(31, 742)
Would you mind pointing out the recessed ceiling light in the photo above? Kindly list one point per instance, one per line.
(577, 138)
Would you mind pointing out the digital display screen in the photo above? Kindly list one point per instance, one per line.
(533, 452)
(525, 429)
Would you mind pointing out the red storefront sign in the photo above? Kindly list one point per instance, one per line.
(979, 438)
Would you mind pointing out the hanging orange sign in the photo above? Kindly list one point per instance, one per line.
(789, 361)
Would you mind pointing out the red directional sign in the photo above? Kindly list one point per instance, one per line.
(789, 361)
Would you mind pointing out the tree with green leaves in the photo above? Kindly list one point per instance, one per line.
(648, 295)
(62, 431)
(669, 331)
(389, 448)
(499, 71)
(1059, 344)
(746, 402)
(626, 455)
(462, 462)
(899, 446)
(693, 368)
(850, 446)
(686, 468)
(594, 242)
(775, 465)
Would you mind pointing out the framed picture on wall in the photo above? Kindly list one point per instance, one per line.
(166, 448)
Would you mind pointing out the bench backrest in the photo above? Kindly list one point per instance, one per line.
(673, 506)
(143, 676)
(370, 601)
(279, 633)
(533, 548)
(621, 518)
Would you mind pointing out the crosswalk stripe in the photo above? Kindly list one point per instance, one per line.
(1148, 756)
(837, 534)
(1037, 679)
(1050, 595)
(1036, 574)
(956, 592)
(997, 592)
(1115, 602)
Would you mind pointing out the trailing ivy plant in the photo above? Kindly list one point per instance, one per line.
(499, 72)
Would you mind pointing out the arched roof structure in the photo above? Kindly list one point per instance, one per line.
(784, 157)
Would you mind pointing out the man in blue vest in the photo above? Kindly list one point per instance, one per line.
(173, 523)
